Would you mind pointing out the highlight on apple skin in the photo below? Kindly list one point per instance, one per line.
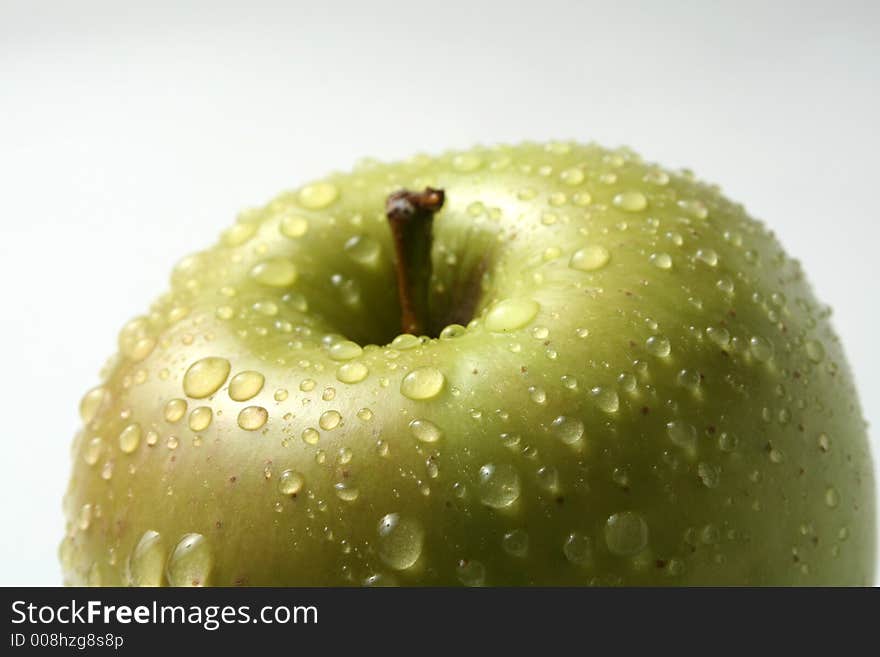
(622, 378)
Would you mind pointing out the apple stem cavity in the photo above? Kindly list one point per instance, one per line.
(411, 218)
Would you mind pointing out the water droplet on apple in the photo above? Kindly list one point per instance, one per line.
(146, 565)
(815, 350)
(471, 572)
(252, 418)
(363, 250)
(318, 195)
(658, 345)
(606, 399)
(577, 548)
(682, 434)
(422, 383)
(661, 260)
(275, 272)
(630, 201)
(245, 385)
(832, 497)
(200, 418)
(190, 562)
(294, 225)
(590, 258)
(511, 314)
(310, 436)
(92, 402)
(345, 350)
(353, 372)
(626, 533)
(205, 376)
(568, 429)
(93, 450)
(329, 420)
(708, 474)
(537, 395)
(400, 541)
(708, 256)
(290, 482)
(516, 543)
(760, 348)
(499, 485)
(130, 438)
(425, 431)
(573, 176)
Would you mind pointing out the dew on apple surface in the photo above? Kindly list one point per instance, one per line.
(293, 225)
(537, 394)
(146, 565)
(630, 201)
(567, 429)
(353, 372)
(707, 256)
(92, 402)
(400, 541)
(130, 438)
(510, 314)
(345, 491)
(832, 497)
(815, 351)
(606, 399)
(516, 543)
(205, 376)
(626, 533)
(152, 438)
(682, 434)
(246, 385)
(578, 548)
(824, 442)
(310, 436)
(307, 385)
(345, 350)
(760, 348)
(280, 395)
(422, 383)
(405, 341)
(471, 572)
(573, 176)
(174, 410)
(658, 345)
(93, 450)
(365, 414)
(709, 474)
(364, 250)
(329, 393)
(238, 234)
(190, 562)
(252, 418)
(720, 336)
(200, 418)
(84, 518)
(274, 272)
(425, 431)
(317, 196)
(452, 331)
(590, 258)
(499, 485)
(661, 260)
(694, 208)
(329, 420)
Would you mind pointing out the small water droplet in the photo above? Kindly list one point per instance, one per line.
(329, 420)
(832, 497)
(815, 350)
(92, 402)
(290, 482)
(146, 565)
(364, 250)
(511, 314)
(606, 399)
(310, 436)
(761, 348)
(353, 372)
(294, 225)
(661, 260)
(345, 350)
(708, 474)
(200, 418)
(658, 345)
(682, 434)
(573, 176)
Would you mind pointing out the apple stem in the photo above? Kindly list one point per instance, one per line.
(411, 217)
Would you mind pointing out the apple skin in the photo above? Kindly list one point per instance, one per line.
(710, 433)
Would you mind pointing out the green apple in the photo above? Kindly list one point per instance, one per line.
(576, 368)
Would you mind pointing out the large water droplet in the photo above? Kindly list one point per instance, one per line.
(204, 377)
(318, 195)
(130, 438)
(275, 272)
(92, 402)
(200, 418)
(353, 372)
(252, 418)
(682, 434)
(146, 566)
(516, 543)
(568, 429)
(590, 258)
(364, 250)
(422, 383)
(577, 548)
(246, 385)
(511, 314)
(345, 350)
(631, 201)
(425, 431)
(400, 541)
(190, 562)
(626, 533)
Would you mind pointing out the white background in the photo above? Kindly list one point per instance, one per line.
(130, 136)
